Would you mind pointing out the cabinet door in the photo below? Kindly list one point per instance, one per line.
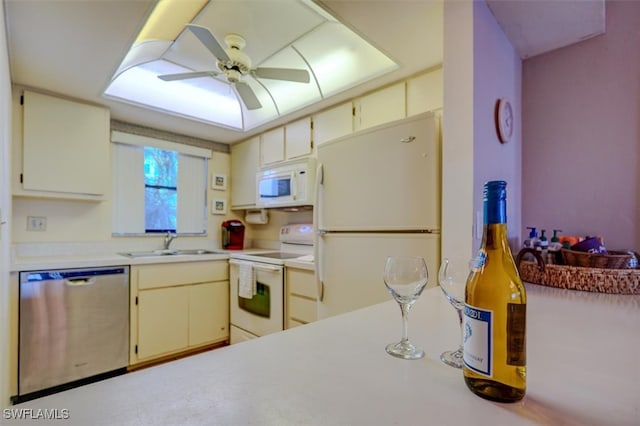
(65, 145)
(301, 307)
(381, 107)
(208, 312)
(333, 123)
(272, 146)
(162, 321)
(424, 93)
(244, 165)
(298, 139)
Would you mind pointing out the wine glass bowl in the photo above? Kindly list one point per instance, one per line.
(452, 278)
(405, 278)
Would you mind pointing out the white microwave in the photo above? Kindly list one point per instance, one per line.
(287, 185)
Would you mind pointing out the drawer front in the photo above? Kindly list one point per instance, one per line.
(302, 310)
(293, 323)
(301, 283)
(172, 274)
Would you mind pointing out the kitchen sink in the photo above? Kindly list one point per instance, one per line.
(169, 252)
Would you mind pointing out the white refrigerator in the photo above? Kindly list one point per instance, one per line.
(378, 194)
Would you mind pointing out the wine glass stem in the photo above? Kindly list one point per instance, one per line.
(404, 308)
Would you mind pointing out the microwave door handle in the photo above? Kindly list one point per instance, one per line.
(294, 185)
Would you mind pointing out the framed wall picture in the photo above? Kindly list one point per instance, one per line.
(219, 182)
(218, 206)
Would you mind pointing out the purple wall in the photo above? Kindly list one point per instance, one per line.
(497, 74)
(581, 134)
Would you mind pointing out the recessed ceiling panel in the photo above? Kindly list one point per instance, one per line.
(267, 26)
(224, 50)
(340, 59)
(203, 98)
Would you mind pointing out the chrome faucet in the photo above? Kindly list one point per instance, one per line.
(167, 240)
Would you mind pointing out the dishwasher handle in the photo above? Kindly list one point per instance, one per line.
(70, 274)
(77, 282)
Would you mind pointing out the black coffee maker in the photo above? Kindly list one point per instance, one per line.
(232, 235)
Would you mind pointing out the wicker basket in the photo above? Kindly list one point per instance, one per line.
(611, 260)
(600, 280)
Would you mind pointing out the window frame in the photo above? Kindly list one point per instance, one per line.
(137, 143)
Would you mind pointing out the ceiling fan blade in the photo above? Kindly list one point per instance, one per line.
(206, 37)
(186, 75)
(248, 97)
(288, 74)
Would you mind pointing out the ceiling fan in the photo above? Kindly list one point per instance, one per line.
(235, 64)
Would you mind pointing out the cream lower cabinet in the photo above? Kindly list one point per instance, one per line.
(176, 307)
(300, 303)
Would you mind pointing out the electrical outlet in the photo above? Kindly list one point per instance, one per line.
(36, 223)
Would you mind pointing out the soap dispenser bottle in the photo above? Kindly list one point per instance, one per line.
(544, 242)
(555, 244)
(555, 256)
(533, 238)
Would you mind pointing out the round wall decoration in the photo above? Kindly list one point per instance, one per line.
(504, 120)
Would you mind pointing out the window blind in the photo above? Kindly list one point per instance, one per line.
(129, 189)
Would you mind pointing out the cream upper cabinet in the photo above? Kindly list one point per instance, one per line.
(272, 146)
(65, 149)
(286, 143)
(298, 139)
(424, 93)
(333, 123)
(177, 307)
(379, 107)
(244, 166)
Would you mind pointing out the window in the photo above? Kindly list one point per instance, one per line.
(160, 189)
(158, 186)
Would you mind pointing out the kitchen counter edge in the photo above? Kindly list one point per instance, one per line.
(65, 262)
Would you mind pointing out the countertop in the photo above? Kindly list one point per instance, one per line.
(90, 261)
(582, 351)
(75, 257)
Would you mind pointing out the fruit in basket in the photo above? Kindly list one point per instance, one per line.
(590, 245)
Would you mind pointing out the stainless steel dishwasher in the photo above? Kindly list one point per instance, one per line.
(74, 325)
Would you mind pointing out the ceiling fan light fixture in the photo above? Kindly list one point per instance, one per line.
(233, 75)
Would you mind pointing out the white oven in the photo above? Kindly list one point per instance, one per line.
(261, 314)
(257, 284)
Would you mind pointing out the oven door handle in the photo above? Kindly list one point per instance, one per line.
(257, 265)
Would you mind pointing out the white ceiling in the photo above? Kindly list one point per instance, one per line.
(74, 47)
(536, 27)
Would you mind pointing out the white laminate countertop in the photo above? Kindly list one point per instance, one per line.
(582, 352)
(91, 261)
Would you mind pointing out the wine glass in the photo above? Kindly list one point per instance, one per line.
(405, 277)
(453, 279)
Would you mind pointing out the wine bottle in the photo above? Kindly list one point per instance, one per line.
(494, 320)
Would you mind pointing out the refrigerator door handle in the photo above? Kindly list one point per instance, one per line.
(319, 234)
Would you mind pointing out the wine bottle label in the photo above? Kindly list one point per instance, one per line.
(477, 342)
(516, 335)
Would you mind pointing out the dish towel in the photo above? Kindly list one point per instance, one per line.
(246, 281)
